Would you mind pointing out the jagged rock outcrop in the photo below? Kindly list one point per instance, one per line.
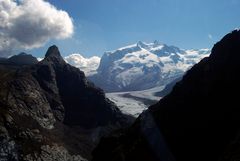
(50, 111)
(198, 120)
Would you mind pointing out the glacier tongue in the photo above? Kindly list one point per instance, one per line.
(135, 102)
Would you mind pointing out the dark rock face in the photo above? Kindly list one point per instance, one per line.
(198, 120)
(51, 106)
(84, 104)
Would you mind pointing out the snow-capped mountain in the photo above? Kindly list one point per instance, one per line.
(144, 65)
(88, 65)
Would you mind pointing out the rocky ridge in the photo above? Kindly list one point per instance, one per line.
(50, 111)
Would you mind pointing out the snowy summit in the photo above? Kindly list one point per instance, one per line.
(144, 65)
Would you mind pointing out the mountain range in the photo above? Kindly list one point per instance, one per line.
(137, 67)
(198, 120)
(144, 65)
(169, 63)
(49, 110)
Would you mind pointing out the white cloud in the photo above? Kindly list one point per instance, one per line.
(39, 59)
(210, 36)
(30, 24)
(88, 65)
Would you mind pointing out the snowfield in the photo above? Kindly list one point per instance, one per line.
(143, 66)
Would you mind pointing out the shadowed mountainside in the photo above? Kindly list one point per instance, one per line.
(49, 110)
(19, 60)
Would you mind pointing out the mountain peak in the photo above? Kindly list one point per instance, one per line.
(141, 44)
(53, 51)
(22, 59)
(53, 54)
(22, 54)
(228, 43)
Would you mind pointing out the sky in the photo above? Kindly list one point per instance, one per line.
(103, 25)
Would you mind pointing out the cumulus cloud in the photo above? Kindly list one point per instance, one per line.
(29, 24)
(88, 65)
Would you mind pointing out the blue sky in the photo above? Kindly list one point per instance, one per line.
(102, 25)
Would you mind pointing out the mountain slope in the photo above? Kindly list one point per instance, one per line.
(143, 66)
(198, 120)
(51, 106)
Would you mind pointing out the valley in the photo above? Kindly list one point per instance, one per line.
(119, 80)
(135, 102)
